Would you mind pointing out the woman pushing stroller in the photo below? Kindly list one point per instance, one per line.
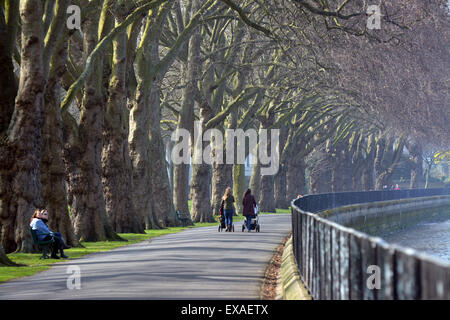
(249, 205)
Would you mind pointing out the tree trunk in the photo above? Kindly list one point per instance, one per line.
(20, 153)
(239, 186)
(341, 173)
(185, 121)
(88, 208)
(52, 169)
(139, 139)
(267, 202)
(8, 83)
(139, 154)
(427, 175)
(4, 260)
(201, 172)
(116, 162)
(367, 176)
(295, 178)
(163, 208)
(320, 174)
(255, 181)
(367, 179)
(281, 200)
(222, 177)
(267, 199)
(200, 192)
(417, 169)
(384, 177)
(378, 164)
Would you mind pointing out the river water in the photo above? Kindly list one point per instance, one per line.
(432, 237)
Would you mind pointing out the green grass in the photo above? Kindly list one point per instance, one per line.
(33, 264)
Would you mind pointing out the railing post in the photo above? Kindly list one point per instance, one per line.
(355, 272)
(344, 260)
(369, 258)
(336, 285)
(407, 274)
(316, 262)
(386, 261)
(328, 270)
(435, 281)
(323, 279)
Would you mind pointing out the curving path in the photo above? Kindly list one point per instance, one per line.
(198, 263)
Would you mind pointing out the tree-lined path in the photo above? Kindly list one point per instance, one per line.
(198, 263)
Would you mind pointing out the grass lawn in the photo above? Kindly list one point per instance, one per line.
(33, 264)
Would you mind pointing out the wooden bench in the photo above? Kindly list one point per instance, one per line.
(43, 244)
(184, 218)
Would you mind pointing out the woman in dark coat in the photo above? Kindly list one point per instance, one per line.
(249, 204)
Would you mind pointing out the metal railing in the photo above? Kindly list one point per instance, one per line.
(339, 263)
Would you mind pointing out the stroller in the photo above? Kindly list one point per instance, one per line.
(222, 225)
(254, 225)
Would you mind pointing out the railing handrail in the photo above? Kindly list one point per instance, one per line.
(312, 233)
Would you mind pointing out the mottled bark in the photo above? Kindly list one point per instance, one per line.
(139, 154)
(295, 178)
(384, 171)
(239, 186)
(8, 83)
(201, 169)
(222, 174)
(378, 163)
(267, 198)
(222, 177)
(52, 168)
(140, 126)
(201, 177)
(88, 210)
(280, 188)
(116, 163)
(280, 182)
(186, 119)
(20, 154)
(341, 167)
(163, 208)
(255, 181)
(267, 202)
(416, 180)
(4, 260)
(320, 173)
(367, 180)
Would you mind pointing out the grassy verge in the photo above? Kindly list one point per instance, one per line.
(33, 264)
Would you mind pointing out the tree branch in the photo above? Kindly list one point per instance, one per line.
(244, 17)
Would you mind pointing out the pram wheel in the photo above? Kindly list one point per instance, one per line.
(243, 228)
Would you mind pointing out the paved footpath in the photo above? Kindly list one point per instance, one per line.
(199, 263)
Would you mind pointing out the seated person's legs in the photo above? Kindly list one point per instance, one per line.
(55, 246)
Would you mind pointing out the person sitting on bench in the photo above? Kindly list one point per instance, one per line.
(39, 223)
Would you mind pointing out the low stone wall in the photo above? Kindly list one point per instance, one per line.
(292, 288)
(381, 217)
